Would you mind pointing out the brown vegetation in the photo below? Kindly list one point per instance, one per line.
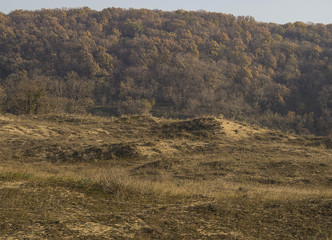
(170, 64)
(140, 177)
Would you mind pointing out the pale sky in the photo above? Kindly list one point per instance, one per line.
(278, 11)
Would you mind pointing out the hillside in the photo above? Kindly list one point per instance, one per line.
(170, 64)
(141, 177)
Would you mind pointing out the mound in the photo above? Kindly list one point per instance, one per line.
(122, 150)
(198, 127)
(59, 153)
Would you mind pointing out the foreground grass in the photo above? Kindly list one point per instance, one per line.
(51, 207)
(146, 178)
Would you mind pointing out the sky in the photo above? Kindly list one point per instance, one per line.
(278, 11)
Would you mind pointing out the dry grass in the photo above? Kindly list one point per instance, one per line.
(84, 177)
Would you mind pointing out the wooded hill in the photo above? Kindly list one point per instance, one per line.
(170, 64)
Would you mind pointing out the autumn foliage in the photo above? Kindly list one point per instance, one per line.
(171, 64)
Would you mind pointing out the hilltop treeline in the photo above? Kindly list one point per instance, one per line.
(177, 64)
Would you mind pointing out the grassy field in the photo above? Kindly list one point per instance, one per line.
(140, 177)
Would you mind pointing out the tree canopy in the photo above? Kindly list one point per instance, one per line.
(171, 64)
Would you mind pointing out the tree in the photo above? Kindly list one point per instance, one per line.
(78, 92)
(181, 63)
(25, 94)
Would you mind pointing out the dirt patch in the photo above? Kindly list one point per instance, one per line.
(199, 127)
(11, 185)
(122, 150)
(60, 152)
(91, 228)
(159, 164)
(328, 142)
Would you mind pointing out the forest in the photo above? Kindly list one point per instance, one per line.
(177, 64)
